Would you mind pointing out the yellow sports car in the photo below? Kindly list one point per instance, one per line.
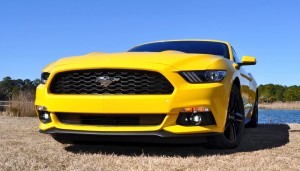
(166, 91)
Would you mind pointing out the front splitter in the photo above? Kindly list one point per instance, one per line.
(120, 137)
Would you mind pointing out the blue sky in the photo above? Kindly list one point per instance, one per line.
(35, 33)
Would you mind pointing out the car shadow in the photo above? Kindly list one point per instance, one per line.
(265, 136)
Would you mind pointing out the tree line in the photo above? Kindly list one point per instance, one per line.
(267, 93)
(10, 87)
(273, 92)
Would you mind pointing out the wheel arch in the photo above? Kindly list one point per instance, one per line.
(237, 83)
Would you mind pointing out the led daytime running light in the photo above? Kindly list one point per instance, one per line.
(203, 76)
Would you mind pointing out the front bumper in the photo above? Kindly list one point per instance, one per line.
(144, 137)
(214, 96)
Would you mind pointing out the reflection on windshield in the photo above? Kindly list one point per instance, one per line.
(199, 47)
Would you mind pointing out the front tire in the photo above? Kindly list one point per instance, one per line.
(234, 127)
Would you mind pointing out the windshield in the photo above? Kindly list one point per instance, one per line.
(200, 47)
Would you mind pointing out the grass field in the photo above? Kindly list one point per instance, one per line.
(269, 147)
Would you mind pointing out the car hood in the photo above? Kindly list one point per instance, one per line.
(175, 59)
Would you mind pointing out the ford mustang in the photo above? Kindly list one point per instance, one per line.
(167, 91)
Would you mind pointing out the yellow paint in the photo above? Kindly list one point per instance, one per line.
(214, 96)
(248, 60)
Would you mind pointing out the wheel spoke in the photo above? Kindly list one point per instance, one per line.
(232, 132)
(227, 124)
(238, 120)
(238, 117)
(238, 114)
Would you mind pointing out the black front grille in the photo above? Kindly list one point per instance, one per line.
(111, 119)
(122, 82)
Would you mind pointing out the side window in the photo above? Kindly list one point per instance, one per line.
(235, 57)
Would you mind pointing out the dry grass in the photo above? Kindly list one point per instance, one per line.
(280, 105)
(269, 147)
(21, 105)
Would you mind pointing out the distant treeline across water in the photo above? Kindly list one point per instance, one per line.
(274, 93)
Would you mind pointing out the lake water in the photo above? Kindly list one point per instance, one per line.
(278, 116)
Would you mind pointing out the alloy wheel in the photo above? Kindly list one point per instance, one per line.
(235, 120)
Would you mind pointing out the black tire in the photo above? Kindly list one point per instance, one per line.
(234, 127)
(254, 118)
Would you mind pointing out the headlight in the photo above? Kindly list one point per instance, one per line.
(203, 76)
(44, 77)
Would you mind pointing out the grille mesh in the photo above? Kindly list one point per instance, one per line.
(111, 119)
(125, 82)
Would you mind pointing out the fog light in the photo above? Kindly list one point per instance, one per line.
(196, 118)
(44, 115)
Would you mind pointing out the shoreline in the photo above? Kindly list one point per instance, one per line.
(261, 108)
(280, 105)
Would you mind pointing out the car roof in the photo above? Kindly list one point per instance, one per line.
(180, 40)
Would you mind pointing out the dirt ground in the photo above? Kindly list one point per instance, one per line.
(269, 147)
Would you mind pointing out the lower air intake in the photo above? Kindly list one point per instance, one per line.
(111, 119)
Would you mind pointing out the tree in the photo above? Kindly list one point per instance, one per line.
(6, 87)
(272, 93)
(9, 87)
(292, 93)
(268, 92)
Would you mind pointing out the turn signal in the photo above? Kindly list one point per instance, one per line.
(195, 109)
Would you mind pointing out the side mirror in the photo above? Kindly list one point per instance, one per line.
(247, 60)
